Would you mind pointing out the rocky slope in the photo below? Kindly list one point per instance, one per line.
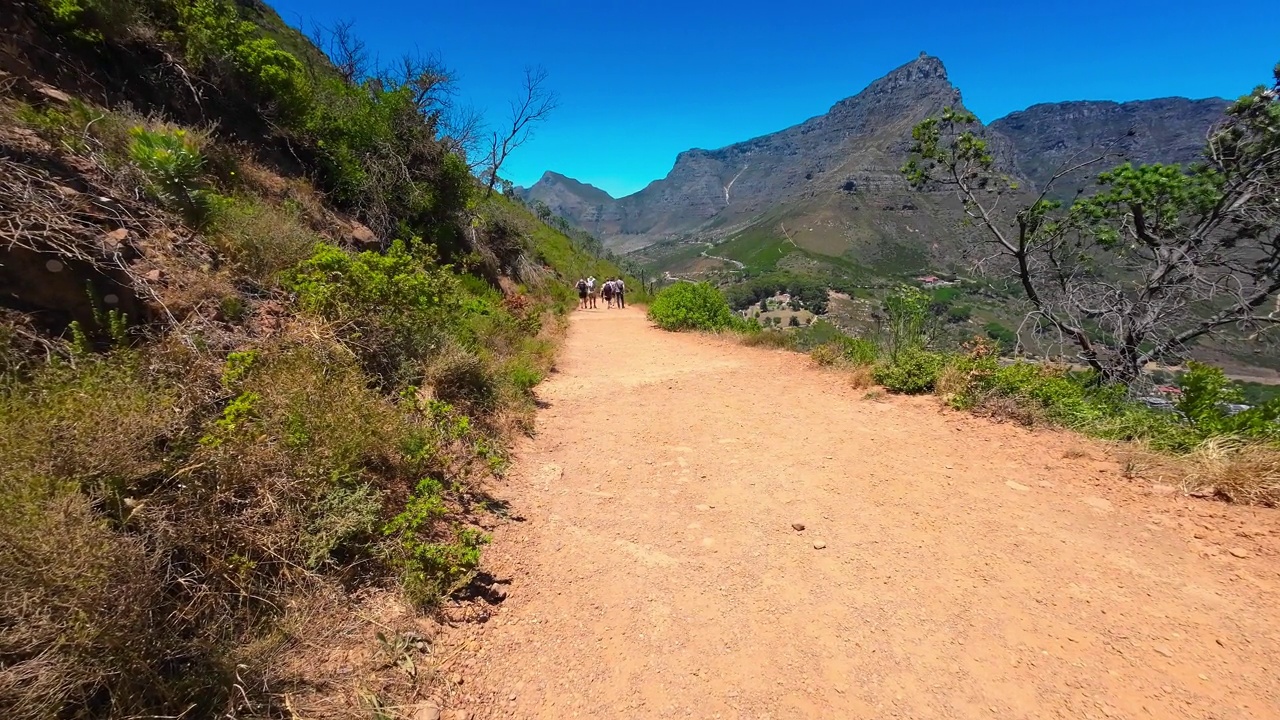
(830, 187)
(1048, 137)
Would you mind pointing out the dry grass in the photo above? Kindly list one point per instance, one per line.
(952, 381)
(767, 339)
(861, 376)
(1230, 469)
(262, 240)
(1008, 409)
(826, 355)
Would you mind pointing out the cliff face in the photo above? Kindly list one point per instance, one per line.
(1048, 137)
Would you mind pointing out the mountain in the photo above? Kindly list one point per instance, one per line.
(827, 193)
(829, 189)
(1048, 137)
(564, 195)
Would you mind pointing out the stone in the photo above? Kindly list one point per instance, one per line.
(1016, 485)
(113, 240)
(1162, 489)
(797, 526)
(1239, 552)
(429, 711)
(53, 94)
(362, 235)
(153, 275)
(457, 679)
(1163, 650)
(818, 545)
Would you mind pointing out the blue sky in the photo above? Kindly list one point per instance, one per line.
(641, 81)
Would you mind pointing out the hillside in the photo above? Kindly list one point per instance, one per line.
(264, 344)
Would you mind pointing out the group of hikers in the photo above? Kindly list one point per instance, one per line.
(614, 291)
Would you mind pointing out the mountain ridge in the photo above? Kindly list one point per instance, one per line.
(837, 173)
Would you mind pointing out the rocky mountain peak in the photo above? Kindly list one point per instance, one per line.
(924, 77)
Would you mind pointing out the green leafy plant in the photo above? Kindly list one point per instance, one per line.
(912, 371)
(691, 306)
(907, 308)
(172, 164)
(859, 350)
(1206, 392)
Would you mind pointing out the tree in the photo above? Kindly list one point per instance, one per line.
(348, 53)
(1157, 258)
(542, 211)
(534, 105)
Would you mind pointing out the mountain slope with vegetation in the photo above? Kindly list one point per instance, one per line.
(264, 340)
(825, 197)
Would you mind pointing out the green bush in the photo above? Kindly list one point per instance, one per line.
(215, 34)
(913, 371)
(1206, 389)
(859, 350)
(261, 239)
(432, 569)
(396, 309)
(172, 164)
(692, 306)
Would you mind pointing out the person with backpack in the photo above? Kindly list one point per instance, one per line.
(591, 292)
(607, 291)
(582, 293)
(619, 291)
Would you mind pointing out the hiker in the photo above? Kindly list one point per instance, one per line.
(619, 290)
(582, 293)
(591, 292)
(607, 291)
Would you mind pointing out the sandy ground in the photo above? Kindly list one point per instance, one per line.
(948, 567)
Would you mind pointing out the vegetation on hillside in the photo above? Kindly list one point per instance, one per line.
(1158, 257)
(236, 382)
(1205, 418)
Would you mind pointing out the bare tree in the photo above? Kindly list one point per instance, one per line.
(1159, 257)
(348, 53)
(462, 131)
(534, 105)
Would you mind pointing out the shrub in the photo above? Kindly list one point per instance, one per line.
(397, 308)
(1206, 392)
(861, 376)
(826, 355)
(215, 34)
(431, 569)
(262, 240)
(912, 371)
(691, 306)
(172, 163)
(907, 308)
(769, 338)
(859, 351)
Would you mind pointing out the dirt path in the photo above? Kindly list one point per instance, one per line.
(970, 570)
